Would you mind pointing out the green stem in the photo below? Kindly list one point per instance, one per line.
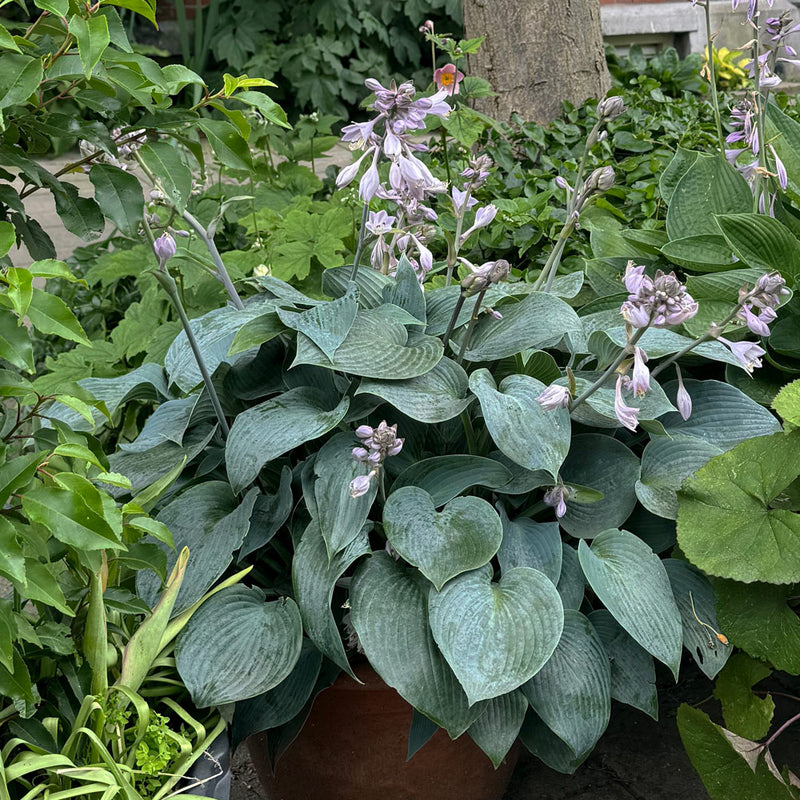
(472, 320)
(171, 288)
(469, 433)
(584, 396)
(712, 78)
(452, 252)
(760, 112)
(554, 259)
(456, 311)
(581, 167)
(446, 154)
(362, 232)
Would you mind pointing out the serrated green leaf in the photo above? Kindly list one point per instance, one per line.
(745, 713)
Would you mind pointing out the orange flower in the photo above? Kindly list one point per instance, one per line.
(447, 78)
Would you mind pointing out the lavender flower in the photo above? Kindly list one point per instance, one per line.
(360, 485)
(478, 170)
(748, 354)
(379, 223)
(661, 301)
(553, 397)
(557, 498)
(683, 399)
(483, 217)
(460, 197)
(627, 415)
(759, 325)
(641, 374)
(164, 247)
(767, 291)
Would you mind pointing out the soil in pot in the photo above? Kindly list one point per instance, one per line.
(354, 745)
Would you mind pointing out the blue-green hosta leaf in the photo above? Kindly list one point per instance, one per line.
(764, 242)
(389, 611)
(703, 253)
(535, 323)
(530, 544)
(440, 305)
(314, 575)
(666, 462)
(571, 583)
(406, 291)
(695, 599)
(214, 332)
(632, 583)
(757, 618)
(710, 186)
(496, 636)
(633, 674)
(269, 513)
(530, 436)
(340, 517)
(371, 284)
(378, 346)
(236, 646)
(496, 730)
(522, 480)
(168, 423)
(463, 536)
(546, 746)
(728, 524)
(436, 396)
(279, 705)
(445, 477)
(272, 428)
(572, 692)
(605, 464)
(207, 520)
(721, 414)
(326, 324)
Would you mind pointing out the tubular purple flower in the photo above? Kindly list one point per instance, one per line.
(759, 325)
(164, 247)
(553, 397)
(641, 374)
(683, 399)
(627, 415)
(360, 453)
(661, 301)
(370, 180)
(459, 197)
(379, 222)
(360, 485)
(780, 169)
(363, 431)
(557, 498)
(635, 315)
(347, 174)
(748, 354)
(634, 277)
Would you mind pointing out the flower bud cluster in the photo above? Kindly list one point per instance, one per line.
(477, 170)
(657, 302)
(481, 278)
(377, 444)
(127, 145)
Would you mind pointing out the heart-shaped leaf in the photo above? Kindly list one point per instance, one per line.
(237, 646)
(314, 576)
(378, 346)
(728, 524)
(605, 464)
(571, 583)
(632, 583)
(463, 536)
(496, 730)
(572, 692)
(547, 747)
(530, 436)
(445, 477)
(272, 428)
(696, 600)
(633, 674)
(436, 396)
(389, 611)
(496, 636)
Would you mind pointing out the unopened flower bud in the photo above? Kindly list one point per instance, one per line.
(610, 108)
(164, 247)
(360, 485)
(601, 180)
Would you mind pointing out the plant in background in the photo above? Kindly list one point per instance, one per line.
(730, 68)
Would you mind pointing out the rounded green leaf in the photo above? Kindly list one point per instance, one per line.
(605, 464)
(272, 428)
(436, 396)
(496, 636)
(632, 583)
(744, 713)
(530, 544)
(728, 522)
(762, 241)
(463, 536)
(389, 611)
(530, 436)
(236, 646)
(572, 692)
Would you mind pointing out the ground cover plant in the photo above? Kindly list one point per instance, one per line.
(421, 387)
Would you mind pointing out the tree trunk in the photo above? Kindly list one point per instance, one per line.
(537, 54)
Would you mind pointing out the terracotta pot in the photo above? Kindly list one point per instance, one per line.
(353, 747)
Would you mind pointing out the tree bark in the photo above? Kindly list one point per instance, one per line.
(537, 54)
